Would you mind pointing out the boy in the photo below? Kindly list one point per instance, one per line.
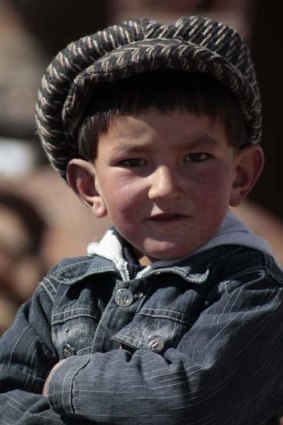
(176, 316)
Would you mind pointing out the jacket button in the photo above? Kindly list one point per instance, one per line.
(155, 343)
(68, 351)
(124, 297)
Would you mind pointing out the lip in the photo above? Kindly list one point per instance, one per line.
(168, 217)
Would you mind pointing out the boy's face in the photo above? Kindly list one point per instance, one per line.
(166, 180)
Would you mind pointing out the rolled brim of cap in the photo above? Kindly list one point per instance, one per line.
(63, 98)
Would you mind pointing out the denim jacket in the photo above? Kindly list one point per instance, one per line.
(197, 342)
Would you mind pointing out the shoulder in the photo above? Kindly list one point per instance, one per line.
(235, 262)
(73, 270)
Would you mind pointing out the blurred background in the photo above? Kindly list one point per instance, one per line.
(40, 220)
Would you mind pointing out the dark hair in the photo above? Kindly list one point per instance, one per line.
(167, 91)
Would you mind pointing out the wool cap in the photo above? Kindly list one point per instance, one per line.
(193, 44)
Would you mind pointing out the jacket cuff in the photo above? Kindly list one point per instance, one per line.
(61, 385)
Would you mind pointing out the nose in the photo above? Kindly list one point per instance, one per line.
(164, 183)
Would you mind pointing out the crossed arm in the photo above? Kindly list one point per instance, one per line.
(226, 369)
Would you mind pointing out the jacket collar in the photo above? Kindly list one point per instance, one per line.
(231, 232)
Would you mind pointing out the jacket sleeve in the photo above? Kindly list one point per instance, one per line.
(227, 369)
(26, 357)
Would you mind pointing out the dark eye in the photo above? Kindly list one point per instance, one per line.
(133, 162)
(197, 157)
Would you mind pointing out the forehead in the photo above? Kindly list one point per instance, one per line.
(12, 230)
(153, 125)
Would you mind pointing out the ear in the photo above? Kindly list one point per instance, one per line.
(248, 167)
(82, 179)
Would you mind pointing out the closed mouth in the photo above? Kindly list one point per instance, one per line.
(168, 217)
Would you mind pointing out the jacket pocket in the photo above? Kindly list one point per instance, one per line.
(73, 331)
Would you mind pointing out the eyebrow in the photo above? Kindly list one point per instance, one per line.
(186, 143)
(199, 141)
(128, 147)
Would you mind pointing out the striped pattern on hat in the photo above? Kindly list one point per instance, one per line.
(193, 44)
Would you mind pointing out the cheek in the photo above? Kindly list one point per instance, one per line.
(213, 189)
(125, 212)
(125, 200)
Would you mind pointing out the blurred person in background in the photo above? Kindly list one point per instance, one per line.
(22, 233)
